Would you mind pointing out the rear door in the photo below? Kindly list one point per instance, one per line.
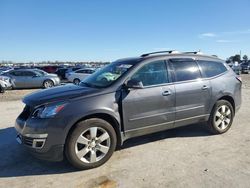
(18, 79)
(151, 108)
(192, 92)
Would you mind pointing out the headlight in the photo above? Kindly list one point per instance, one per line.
(48, 111)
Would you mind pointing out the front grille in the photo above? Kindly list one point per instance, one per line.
(25, 113)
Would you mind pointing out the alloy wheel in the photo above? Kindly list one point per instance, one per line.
(223, 117)
(48, 84)
(92, 145)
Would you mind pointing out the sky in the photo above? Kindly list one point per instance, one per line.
(98, 30)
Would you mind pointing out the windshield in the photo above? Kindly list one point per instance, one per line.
(108, 75)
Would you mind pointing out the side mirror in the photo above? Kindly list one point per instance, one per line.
(135, 84)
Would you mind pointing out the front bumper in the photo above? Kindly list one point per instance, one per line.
(40, 140)
(57, 81)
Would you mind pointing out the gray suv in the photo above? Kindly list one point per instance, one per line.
(128, 98)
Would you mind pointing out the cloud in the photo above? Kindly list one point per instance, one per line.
(207, 35)
(226, 41)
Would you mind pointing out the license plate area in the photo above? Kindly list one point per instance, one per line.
(19, 139)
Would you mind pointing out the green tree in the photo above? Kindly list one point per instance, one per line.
(236, 58)
(245, 58)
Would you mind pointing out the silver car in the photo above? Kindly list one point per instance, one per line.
(32, 78)
(5, 83)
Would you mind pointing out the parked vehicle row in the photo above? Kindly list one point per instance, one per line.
(245, 67)
(240, 68)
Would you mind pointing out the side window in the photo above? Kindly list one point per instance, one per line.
(212, 68)
(79, 71)
(186, 70)
(28, 73)
(16, 73)
(153, 73)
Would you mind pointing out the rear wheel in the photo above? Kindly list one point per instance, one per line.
(76, 81)
(48, 84)
(91, 144)
(221, 117)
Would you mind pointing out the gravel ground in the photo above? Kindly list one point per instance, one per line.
(13, 95)
(184, 157)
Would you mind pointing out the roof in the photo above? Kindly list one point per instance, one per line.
(172, 54)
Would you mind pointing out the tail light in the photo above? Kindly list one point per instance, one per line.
(239, 78)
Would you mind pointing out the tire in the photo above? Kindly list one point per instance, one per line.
(221, 117)
(48, 84)
(84, 151)
(2, 90)
(76, 81)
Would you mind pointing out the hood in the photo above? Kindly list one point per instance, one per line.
(59, 93)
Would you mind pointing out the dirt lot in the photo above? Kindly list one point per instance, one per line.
(184, 157)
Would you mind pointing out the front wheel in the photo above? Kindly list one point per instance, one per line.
(76, 81)
(221, 117)
(48, 84)
(2, 89)
(91, 144)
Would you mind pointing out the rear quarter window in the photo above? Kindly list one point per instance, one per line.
(185, 70)
(212, 68)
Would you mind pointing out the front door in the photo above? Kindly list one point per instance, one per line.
(151, 108)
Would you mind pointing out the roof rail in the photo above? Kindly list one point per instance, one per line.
(195, 52)
(161, 52)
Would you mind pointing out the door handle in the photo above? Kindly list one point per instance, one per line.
(204, 87)
(166, 93)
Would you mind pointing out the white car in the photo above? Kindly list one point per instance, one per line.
(77, 76)
(5, 83)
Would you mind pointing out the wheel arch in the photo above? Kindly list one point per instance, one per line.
(229, 99)
(101, 115)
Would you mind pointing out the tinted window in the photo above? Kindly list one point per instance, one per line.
(212, 68)
(186, 70)
(81, 71)
(28, 73)
(16, 73)
(74, 69)
(152, 74)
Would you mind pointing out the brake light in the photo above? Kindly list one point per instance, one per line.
(239, 78)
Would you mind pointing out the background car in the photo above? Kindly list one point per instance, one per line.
(71, 69)
(236, 68)
(50, 69)
(245, 67)
(77, 76)
(5, 83)
(32, 78)
(4, 69)
(61, 73)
